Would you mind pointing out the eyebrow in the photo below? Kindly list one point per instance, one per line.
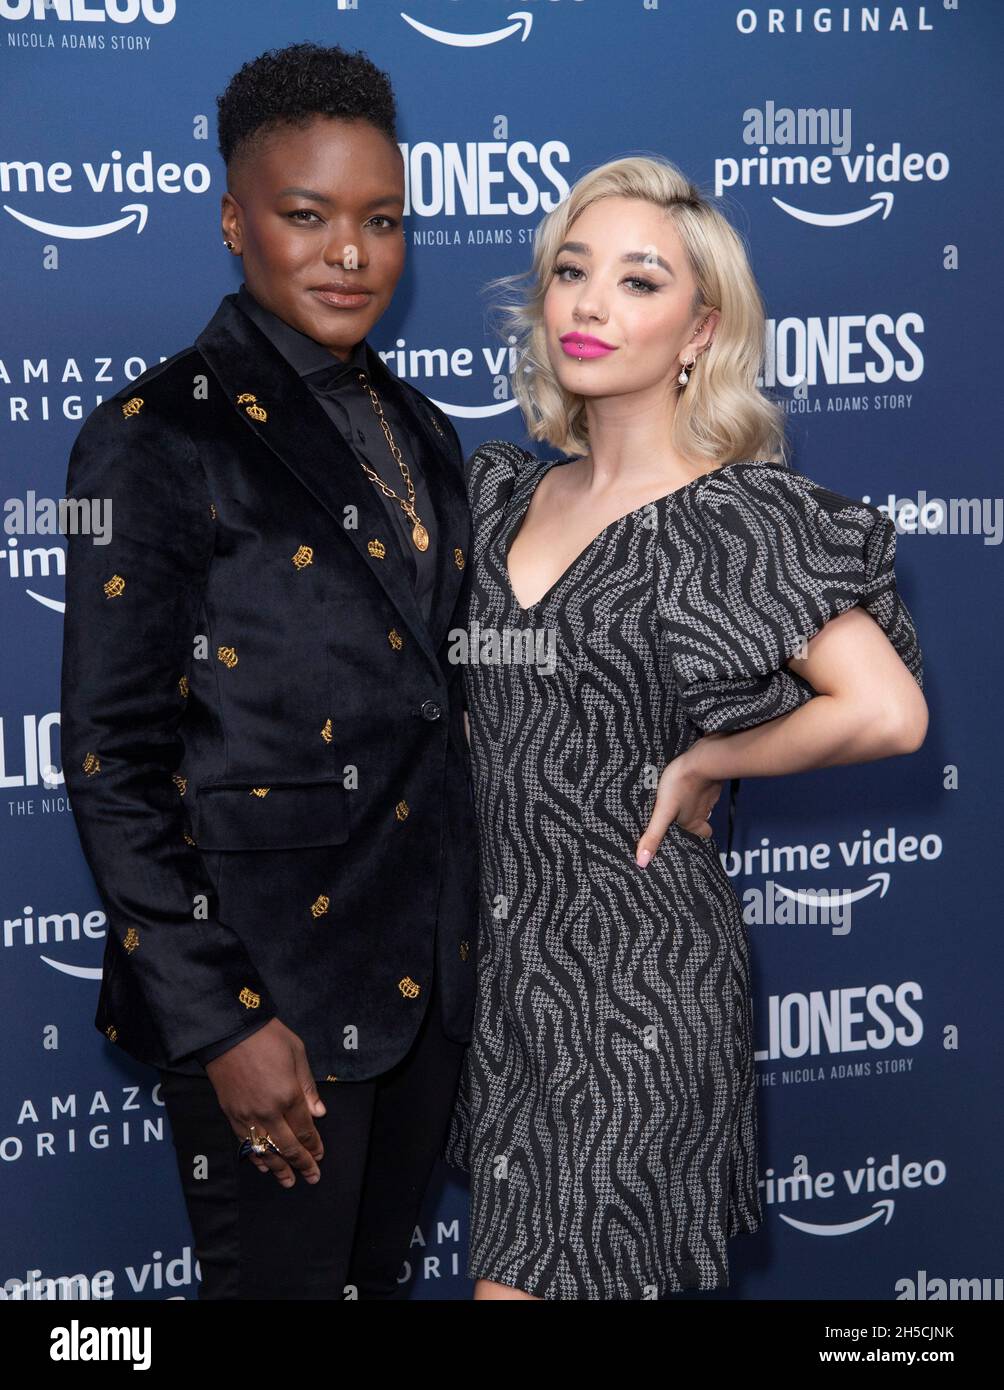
(633, 257)
(321, 198)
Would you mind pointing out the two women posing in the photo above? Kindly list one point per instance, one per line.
(349, 943)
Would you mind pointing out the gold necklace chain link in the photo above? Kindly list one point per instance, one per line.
(419, 534)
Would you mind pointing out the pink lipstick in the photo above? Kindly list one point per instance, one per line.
(584, 345)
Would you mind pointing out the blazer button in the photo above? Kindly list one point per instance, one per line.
(430, 710)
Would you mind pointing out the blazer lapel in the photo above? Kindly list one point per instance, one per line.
(444, 478)
(286, 417)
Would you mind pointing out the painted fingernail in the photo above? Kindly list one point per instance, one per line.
(644, 857)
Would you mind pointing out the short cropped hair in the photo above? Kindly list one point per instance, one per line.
(293, 85)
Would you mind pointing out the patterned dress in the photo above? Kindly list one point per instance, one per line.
(607, 1107)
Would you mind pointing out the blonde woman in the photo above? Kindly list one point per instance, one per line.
(692, 610)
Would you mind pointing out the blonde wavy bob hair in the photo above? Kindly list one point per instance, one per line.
(721, 415)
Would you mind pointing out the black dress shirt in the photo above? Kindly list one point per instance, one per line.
(335, 386)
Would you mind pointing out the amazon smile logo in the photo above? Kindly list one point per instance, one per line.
(872, 859)
(857, 1185)
(779, 905)
(21, 179)
(426, 368)
(520, 22)
(787, 155)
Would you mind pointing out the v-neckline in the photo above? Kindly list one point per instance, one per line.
(516, 524)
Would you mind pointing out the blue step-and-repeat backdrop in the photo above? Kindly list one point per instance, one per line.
(853, 146)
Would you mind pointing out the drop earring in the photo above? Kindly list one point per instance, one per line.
(683, 378)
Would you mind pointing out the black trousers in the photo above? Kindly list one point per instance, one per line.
(345, 1236)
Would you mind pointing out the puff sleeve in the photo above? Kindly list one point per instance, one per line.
(489, 475)
(766, 558)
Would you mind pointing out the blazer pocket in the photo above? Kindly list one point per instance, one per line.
(284, 815)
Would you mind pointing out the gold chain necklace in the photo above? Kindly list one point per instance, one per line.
(419, 534)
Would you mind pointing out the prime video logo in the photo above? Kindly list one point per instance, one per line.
(89, 11)
(788, 145)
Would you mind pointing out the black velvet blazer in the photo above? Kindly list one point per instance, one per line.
(262, 738)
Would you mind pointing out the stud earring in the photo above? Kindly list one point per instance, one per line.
(228, 244)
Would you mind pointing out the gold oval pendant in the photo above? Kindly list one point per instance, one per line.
(420, 536)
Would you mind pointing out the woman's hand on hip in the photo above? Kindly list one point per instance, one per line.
(685, 795)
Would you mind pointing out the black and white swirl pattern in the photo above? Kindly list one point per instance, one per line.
(607, 1109)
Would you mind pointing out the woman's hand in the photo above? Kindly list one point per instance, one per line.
(265, 1081)
(684, 794)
